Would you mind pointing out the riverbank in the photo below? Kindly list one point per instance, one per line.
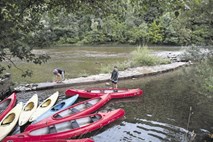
(130, 73)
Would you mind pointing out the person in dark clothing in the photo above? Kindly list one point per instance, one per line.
(59, 74)
(114, 77)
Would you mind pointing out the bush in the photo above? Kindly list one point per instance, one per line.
(143, 57)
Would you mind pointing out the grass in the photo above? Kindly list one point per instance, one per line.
(140, 57)
(143, 57)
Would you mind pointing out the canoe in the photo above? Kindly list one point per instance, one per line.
(56, 108)
(7, 104)
(10, 120)
(81, 108)
(70, 128)
(28, 109)
(114, 92)
(63, 140)
(44, 106)
(70, 140)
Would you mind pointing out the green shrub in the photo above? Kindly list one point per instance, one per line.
(143, 57)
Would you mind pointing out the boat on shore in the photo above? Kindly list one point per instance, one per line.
(95, 92)
(44, 106)
(28, 109)
(9, 121)
(56, 108)
(66, 140)
(64, 129)
(78, 109)
(6, 105)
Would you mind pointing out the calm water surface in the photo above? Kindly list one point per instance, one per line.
(160, 115)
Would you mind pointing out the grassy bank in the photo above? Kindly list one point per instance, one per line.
(139, 57)
(84, 61)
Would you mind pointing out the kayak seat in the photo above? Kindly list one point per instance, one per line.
(46, 103)
(95, 118)
(29, 106)
(52, 129)
(88, 104)
(58, 107)
(74, 124)
(74, 110)
(58, 116)
(9, 119)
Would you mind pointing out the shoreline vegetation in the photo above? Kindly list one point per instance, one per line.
(83, 61)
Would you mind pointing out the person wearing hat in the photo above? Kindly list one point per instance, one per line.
(59, 75)
(114, 77)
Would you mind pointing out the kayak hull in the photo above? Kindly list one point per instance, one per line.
(28, 109)
(7, 104)
(59, 106)
(95, 92)
(10, 120)
(44, 106)
(69, 128)
(75, 110)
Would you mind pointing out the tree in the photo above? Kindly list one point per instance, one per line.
(22, 29)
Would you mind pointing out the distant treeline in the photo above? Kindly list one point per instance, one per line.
(141, 22)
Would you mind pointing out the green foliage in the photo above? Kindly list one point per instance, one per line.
(154, 33)
(143, 57)
(197, 54)
(93, 37)
(201, 77)
(138, 34)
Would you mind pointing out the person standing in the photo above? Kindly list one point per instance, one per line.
(114, 77)
(59, 75)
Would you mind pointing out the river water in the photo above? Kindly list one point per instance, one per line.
(162, 114)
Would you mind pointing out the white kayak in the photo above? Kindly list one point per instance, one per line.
(28, 109)
(56, 108)
(10, 120)
(44, 106)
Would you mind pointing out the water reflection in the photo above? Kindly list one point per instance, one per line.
(143, 131)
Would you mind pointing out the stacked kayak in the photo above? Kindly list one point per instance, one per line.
(95, 92)
(65, 120)
(68, 128)
(6, 105)
(28, 109)
(60, 106)
(44, 106)
(81, 108)
(9, 121)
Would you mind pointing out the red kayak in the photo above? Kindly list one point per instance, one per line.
(64, 129)
(81, 108)
(114, 92)
(6, 105)
(70, 140)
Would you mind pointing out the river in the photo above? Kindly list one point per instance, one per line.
(160, 115)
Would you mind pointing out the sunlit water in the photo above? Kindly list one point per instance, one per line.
(160, 115)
